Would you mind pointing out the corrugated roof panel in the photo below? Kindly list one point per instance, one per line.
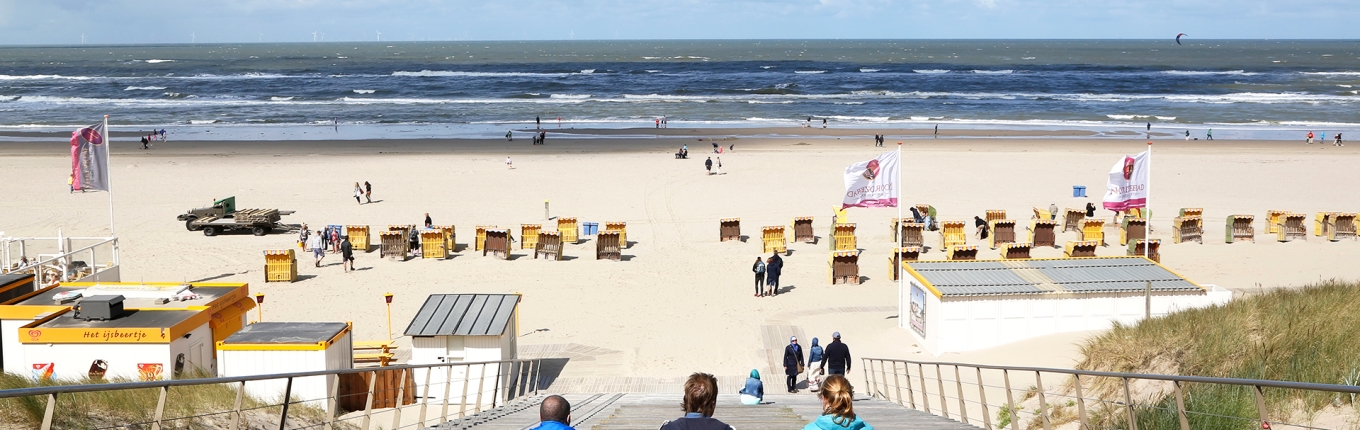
(485, 318)
(503, 313)
(423, 316)
(463, 315)
(456, 307)
(1078, 275)
(474, 310)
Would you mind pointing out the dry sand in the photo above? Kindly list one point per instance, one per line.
(682, 301)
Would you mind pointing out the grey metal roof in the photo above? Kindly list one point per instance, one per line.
(463, 315)
(1068, 275)
(287, 332)
(13, 285)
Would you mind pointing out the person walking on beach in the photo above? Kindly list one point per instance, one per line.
(335, 238)
(508, 138)
(302, 237)
(793, 364)
(509, 164)
(314, 244)
(429, 223)
(717, 169)
(1338, 140)
(1310, 138)
(759, 269)
(346, 254)
(773, 268)
(937, 131)
(1187, 135)
(538, 123)
(982, 228)
(543, 138)
(837, 357)
(358, 193)
(815, 356)
(336, 121)
(1209, 135)
(708, 165)
(838, 407)
(823, 122)
(1052, 211)
(368, 192)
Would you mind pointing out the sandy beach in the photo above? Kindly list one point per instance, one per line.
(681, 301)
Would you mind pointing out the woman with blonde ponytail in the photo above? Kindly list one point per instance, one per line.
(838, 407)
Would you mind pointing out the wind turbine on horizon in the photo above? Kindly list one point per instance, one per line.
(193, 37)
(82, 38)
(313, 36)
(379, 35)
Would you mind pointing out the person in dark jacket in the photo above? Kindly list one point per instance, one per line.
(708, 165)
(793, 360)
(759, 269)
(773, 268)
(982, 227)
(836, 356)
(701, 398)
(1090, 210)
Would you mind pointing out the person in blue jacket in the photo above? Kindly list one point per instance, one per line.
(838, 407)
(754, 391)
(554, 414)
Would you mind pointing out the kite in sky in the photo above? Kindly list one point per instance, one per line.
(1178, 37)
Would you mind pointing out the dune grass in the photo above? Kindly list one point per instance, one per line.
(1309, 334)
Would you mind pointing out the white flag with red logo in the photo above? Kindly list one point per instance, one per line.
(1128, 185)
(873, 183)
(90, 159)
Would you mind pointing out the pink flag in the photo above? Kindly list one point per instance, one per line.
(90, 159)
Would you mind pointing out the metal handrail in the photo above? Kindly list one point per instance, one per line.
(1042, 413)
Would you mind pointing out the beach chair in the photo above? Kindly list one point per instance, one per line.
(729, 229)
(1239, 227)
(280, 266)
(1080, 249)
(481, 237)
(450, 238)
(433, 245)
(1137, 246)
(566, 226)
(497, 243)
(1072, 219)
(1093, 230)
(994, 214)
(802, 230)
(1042, 232)
(906, 253)
(395, 244)
(1013, 251)
(1199, 212)
(844, 267)
(913, 235)
(1042, 214)
(1273, 220)
(1292, 226)
(897, 227)
(951, 234)
(1342, 226)
(839, 215)
(961, 252)
(843, 237)
(1003, 232)
(358, 237)
(607, 246)
(1131, 229)
(528, 235)
(548, 245)
(772, 239)
(1187, 228)
(621, 227)
(1320, 223)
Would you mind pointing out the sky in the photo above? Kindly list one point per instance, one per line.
(63, 22)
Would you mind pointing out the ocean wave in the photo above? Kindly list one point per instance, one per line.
(365, 91)
(42, 77)
(587, 71)
(867, 70)
(251, 75)
(651, 71)
(202, 121)
(768, 67)
(993, 72)
(932, 71)
(143, 88)
(153, 61)
(1331, 73)
(569, 96)
(1142, 117)
(809, 72)
(1208, 72)
(280, 99)
(849, 103)
(450, 73)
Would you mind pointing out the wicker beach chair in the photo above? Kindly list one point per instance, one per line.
(844, 267)
(498, 243)
(1131, 229)
(961, 252)
(548, 245)
(358, 237)
(1137, 246)
(1003, 232)
(1042, 233)
(433, 245)
(1093, 230)
(729, 229)
(773, 240)
(994, 215)
(843, 237)
(802, 230)
(280, 266)
(1013, 251)
(913, 235)
(1080, 249)
(1187, 228)
(900, 255)
(1072, 220)
(952, 234)
(1239, 227)
(528, 234)
(1273, 220)
(394, 245)
(607, 246)
(568, 229)
(1291, 227)
(1342, 226)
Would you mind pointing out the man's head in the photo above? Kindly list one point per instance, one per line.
(836, 335)
(701, 394)
(555, 408)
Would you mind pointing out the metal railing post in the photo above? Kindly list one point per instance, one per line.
(496, 388)
(897, 382)
(1043, 402)
(425, 398)
(958, 387)
(481, 387)
(1180, 407)
(1260, 404)
(536, 373)
(1128, 402)
(925, 393)
(1081, 405)
(939, 380)
(368, 403)
(869, 376)
(287, 393)
(160, 408)
(334, 403)
(51, 408)
(982, 400)
(911, 395)
(448, 383)
(1010, 401)
(236, 417)
(462, 403)
(401, 398)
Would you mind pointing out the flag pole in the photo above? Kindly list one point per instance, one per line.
(1147, 207)
(108, 145)
(898, 233)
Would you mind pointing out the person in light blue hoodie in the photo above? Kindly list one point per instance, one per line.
(814, 374)
(754, 391)
(838, 407)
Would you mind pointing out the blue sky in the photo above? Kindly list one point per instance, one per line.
(180, 21)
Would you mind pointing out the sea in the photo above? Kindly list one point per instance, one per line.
(1244, 88)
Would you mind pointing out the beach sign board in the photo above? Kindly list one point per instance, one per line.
(872, 183)
(1128, 184)
(90, 159)
(918, 309)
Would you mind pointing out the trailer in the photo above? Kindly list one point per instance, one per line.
(259, 221)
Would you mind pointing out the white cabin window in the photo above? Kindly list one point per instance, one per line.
(456, 350)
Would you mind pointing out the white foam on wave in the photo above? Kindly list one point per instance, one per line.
(1331, 73)
(768, 67)
(993, 72)
(41, 77)
(451, 73)
(153, 61)
(865, 70)
(569, 96)
(587, 71)
(932, 71)
(1208, 72)
(809, 72)
(202, 121)
(281, 99)
(143, 88)
(651, 71)
(365, 91)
